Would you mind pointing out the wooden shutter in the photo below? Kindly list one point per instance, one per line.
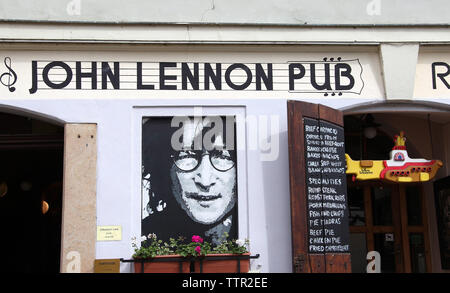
(304, 260)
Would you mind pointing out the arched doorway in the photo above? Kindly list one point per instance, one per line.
(396, 219)
(31, 174)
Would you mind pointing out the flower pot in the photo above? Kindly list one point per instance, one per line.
(223, 263)
(163, 264)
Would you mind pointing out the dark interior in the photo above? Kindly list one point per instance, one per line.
(31, 166)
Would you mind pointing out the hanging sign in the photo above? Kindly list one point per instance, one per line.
(399, 168)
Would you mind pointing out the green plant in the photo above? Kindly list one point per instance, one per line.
(231, 246)
(151, 247)
(196, 247)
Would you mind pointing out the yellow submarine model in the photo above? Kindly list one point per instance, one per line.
(400, 167)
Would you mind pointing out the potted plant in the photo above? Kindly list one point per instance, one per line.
(230, 256)
(156, 256)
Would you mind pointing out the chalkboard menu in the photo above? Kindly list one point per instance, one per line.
(326, 187)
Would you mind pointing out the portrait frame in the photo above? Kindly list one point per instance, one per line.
(141, 112)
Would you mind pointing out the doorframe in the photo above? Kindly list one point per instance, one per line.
(79, 214)
(406, 230)
(399, 228)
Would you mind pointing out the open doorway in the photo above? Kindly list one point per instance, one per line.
(31, 172)
(395, 219)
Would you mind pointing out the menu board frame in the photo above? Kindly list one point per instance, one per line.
(302, 259)
(326, 187)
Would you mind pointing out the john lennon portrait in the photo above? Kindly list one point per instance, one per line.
(189, 177)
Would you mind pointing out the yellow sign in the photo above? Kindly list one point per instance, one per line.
(107, 266)
(364, 170)
(109, 233)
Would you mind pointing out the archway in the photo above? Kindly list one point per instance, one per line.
(31, 174)
(397, 220)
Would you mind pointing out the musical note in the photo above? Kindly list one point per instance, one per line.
(8, 75)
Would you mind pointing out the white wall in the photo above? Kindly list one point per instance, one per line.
(284, 12)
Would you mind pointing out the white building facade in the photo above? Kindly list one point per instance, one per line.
(98, 69)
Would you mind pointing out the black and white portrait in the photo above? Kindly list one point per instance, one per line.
(189, 177)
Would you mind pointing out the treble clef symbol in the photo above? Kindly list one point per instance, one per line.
(10, 76)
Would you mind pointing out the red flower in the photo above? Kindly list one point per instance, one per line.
(198, 249)
(197, 239)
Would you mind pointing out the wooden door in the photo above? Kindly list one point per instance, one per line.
(390, 219)
(332, 254)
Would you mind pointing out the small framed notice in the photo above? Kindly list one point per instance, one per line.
(107, 266)
(109, 233)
